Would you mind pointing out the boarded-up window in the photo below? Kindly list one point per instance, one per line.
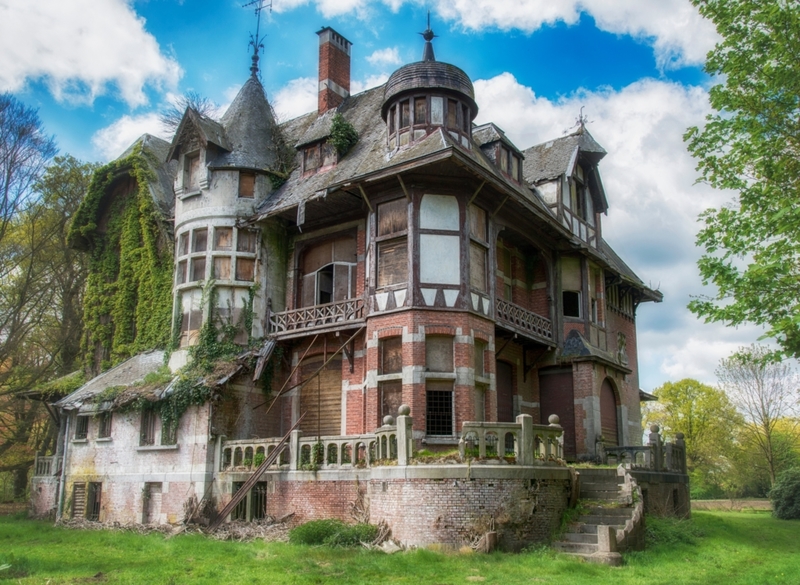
(198, 268)
(477, 223)
(247, 185)
(245, 269)
(503, 159)
(191, 177)
(312, 158)
(392, 262)
(392, 217)
(247, 241)
(438, 353)
(420, 110)
(439, 408)
(104, 425)
(78, 500)
(147, 430)
(222, 268)
(321, 397)
(223, 239)
(200, 240)
(515, 168)
(390, 355)
(391, 393)
(477, 266)
(480, 349)
(452, 114)
(405, 114)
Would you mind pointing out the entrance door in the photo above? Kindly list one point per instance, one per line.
(608, 414)
(556, 396)
(321, 397)
(505, 391)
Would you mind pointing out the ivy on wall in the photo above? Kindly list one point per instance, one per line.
(128, 299)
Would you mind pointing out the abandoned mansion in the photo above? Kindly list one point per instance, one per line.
(376, 308)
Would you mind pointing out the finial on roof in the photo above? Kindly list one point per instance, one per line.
(256, 41)
(427, 52)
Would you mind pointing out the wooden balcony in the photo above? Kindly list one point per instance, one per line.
(524, 322)
(317, 319)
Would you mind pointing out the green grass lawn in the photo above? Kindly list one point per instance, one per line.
(717, 547)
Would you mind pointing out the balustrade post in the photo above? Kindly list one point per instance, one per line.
(294, 450)
(482, 443)
(525, 443)
(555, 423)
(655, 443)
(682, 453)
(404, 435)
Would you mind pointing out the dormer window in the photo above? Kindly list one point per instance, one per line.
(415, 117)
(318, 156)
(508, 162)
(191, 173)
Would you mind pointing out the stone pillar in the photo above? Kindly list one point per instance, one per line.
(655, 445)
(679, 442)
(405, 438)
(525, 452)
(294, 449)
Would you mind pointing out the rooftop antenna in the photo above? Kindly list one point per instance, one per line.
(427, 34)
(257, 41)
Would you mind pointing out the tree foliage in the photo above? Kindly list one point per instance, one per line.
(751, 145)
(765, 392)
(785, 495)
(171, 117)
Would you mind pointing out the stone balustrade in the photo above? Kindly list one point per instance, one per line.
(657, 455)
(522, 440)
(46, 465)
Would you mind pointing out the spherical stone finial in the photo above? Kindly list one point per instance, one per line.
(654, 429)
(679, 436)
(404, 410)
(553, 419)
(388, 420)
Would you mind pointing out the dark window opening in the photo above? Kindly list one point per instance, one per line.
(147, 432)
(81, 427)
(439, 409)
(198, 268)
(392, 116)
(93, 501)
(104, 431)
(325, 285)
(258, 501)
(465, 119)
(240, 511)
(572, 303)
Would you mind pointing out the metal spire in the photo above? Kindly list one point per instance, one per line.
(257, 41)
(427, 52)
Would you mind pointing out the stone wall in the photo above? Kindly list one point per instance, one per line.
(665, 494)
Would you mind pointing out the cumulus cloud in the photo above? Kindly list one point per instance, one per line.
(387, 56)
(678, 34)
(296, 98)
(113, 140)
(654, 203)
(358, 86)
(81, 49)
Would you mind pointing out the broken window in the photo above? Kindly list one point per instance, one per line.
(390, 351)
(104, 426)
(200, 240)
(81, 427)
(439, 408)
(572, 303)
(392, 248)
(329, 272)
(147, 431)
(391, 396)
(439, 353)
(247, 185)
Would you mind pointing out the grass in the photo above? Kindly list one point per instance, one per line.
(716, 547)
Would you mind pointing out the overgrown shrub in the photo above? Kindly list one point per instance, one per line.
(785, 495)
(343, 135)
(332, 533)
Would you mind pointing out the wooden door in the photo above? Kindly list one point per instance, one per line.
(78, 500)
(321, 397)
(505, 392)
(608, 414)
(556, 396)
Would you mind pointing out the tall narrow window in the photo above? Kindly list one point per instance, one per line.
(572, 303)
(247, 185)
(420, 110)
(439, 408)
(390, 382)
(392, 119)
(191, 173)
(104, 430)
(452, 114)
(93, 501)
(478, 250)
(405, 115)
(392, 245)
(81, 427)
(147, 431)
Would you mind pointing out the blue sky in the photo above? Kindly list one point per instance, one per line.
(100, 70)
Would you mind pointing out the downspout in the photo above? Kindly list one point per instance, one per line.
(62, 480)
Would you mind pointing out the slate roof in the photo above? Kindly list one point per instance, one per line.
(551, 159)
(128, 373)
(627, 274)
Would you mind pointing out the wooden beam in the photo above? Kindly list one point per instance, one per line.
(499, 207)
(403, 185)
(509, 340)
(475, 194)
(364, 196)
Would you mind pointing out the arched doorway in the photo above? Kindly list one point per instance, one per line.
(609, 427)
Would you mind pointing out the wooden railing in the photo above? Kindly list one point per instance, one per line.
(524, 321)
(318, 316)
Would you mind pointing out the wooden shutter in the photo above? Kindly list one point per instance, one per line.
(78, 500)
(321, 398)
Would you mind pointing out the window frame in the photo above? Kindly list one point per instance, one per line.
(396, 237)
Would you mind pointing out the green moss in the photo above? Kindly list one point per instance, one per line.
(128, 300)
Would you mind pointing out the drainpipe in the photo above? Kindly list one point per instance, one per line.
(62, 480)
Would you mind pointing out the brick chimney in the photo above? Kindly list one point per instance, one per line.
(334, 69)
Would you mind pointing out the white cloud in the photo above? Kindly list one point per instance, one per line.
(111, 141)
(357, 86)
(296, 98)
(652, 220)
(677, 32)
(387, 56)
(81, 49)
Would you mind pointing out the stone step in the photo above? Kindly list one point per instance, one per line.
(604, 519)
(575, 547)
(583, 537)
(592, 528)
(600, 511)
(599, 494)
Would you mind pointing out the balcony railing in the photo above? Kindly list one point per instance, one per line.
(316, 317)
(526, 442)
(524, 321)
(46, 465)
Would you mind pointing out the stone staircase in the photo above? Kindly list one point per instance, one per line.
(608, 517)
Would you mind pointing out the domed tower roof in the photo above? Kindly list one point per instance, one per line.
(429, 74)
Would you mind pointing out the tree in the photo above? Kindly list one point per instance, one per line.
(765, 392)
(708, 421)
(751, 145)
(171, 117)
(25, 150)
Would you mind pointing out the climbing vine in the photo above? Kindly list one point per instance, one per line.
(128, 301)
